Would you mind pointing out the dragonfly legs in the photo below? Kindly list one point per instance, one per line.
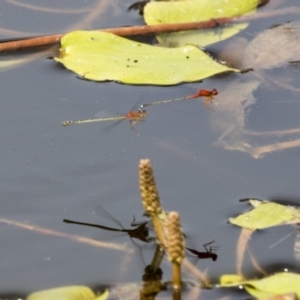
(211, 248)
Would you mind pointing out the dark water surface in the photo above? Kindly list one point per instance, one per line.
(49, 172)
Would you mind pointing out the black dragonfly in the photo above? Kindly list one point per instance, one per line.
(209, 252)
(141, 232)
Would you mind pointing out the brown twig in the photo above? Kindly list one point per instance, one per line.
(147, 29)
(75, 238)
(121, 31)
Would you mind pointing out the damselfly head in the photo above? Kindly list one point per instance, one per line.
(214, 92)
(141, 109)
(142, 112)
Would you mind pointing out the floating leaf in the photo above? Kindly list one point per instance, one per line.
(68, 293)
(277, 284)
(166, 12)
(267, 214)
(229, 279)
(269, 49)
(104, 56)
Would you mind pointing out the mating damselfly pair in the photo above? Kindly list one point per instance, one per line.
(139, 115)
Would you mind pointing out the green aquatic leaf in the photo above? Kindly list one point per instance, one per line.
(229, 279)
(267, 214)
(68, 293)
(277, 284)
(104, 56)
(167, 12)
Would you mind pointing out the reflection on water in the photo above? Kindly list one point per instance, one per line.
(209, 252)
(231, 117)
(49, 172)
(141, 232)
(238, 98)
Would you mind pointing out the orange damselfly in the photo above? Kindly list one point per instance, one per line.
(207, 94)
(133, 116)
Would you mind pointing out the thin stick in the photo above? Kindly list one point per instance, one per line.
(145, 29)
(75, 238)
(281, 240)
(192, 270)
(48, 40)
(255, 263)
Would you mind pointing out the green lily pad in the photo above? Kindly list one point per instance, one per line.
(102, 56)
(267, 214)
(68, 293)
(277, 284)
(229, 279)
(167, 12)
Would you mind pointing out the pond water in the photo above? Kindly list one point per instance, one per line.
(49, 172)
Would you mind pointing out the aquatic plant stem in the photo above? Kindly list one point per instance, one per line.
(176, 273)
(157, 258)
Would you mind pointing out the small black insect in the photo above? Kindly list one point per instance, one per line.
(209, 252)
(141, 232)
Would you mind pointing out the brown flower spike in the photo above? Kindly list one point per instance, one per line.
(176, 250)
(149, 193)
(151, 201)
(176, 245)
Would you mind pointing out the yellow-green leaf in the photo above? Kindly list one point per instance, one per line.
(166, 12)
(68, 293)
(230, 279)
(267, 214)
(277, 284)
(102, 56)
